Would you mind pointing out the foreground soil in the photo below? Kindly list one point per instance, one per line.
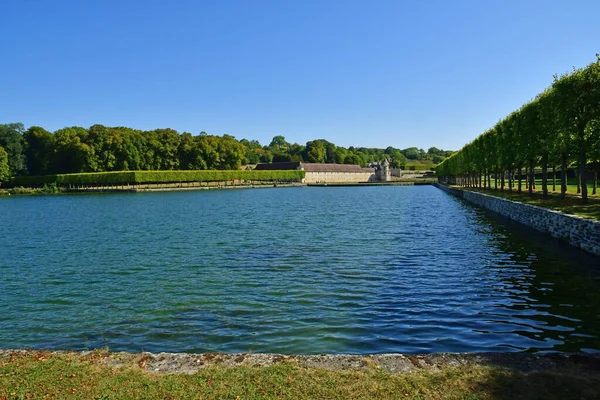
(105, 375)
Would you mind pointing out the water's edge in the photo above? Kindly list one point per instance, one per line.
(189, 363)
(578, 232)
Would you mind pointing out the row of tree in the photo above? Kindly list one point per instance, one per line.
(36, 151)
(560, 127)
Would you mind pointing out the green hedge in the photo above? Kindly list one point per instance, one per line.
(137, 177)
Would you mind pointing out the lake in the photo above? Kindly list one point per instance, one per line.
(290, 270)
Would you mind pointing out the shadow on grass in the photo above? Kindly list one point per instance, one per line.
(526, 376)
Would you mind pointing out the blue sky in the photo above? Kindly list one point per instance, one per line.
(363, 73)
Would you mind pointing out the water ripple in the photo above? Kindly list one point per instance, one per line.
(303, 270)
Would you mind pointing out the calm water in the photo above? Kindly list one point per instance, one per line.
(298, 270)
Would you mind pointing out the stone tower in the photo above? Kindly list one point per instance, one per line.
(386, 171)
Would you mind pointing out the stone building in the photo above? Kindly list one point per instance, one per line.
(326, 173)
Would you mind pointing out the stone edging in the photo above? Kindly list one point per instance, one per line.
(579, 232)
(189, 363)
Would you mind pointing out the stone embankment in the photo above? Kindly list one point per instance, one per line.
(191, 363)
(579, 232)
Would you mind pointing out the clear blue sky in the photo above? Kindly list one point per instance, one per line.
(364, 73)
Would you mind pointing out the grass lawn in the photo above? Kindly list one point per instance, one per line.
(570, 205)
(36, 375)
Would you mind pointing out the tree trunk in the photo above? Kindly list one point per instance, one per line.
(520, 178)
(595, 176)
(531, 177)
(502, 181)
(527, 178)
(545, 175)
(553, 178)
(496, 181)
(563, 176)
(584, 191)
(578, 177)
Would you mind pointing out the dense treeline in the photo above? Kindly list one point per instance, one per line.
(560, 127)
(36, 151)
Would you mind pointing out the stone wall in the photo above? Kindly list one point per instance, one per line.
(577, 231)
(338, 177)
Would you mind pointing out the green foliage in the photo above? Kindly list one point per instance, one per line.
(113, 149)
(216, 176)
(559, 124)
(11, 139)
(138, 177)
(39, 150)
(4, 167)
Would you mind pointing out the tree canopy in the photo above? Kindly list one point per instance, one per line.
(561, 125)
(99, 148)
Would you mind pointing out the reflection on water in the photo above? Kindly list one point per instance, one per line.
(300, 270)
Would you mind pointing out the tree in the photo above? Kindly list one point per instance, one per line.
(4, 167)
(412, 153)
(11, 139)
(316, 151)
(39, 150)
(72, 154)
(578, 101)
(279, 143)
(340, 155)
(355, 159)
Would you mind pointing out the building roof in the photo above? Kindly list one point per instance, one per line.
(314, 167)
(278, 166)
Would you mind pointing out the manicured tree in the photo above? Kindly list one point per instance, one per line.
(492, 156)
(506, 148)
(467, 164)
(578, 100)
(478, 155)
(529, 133)
(550, 133)
(543, 139)
(563, 146)
(486, 150)
(518, 145)
(593, 132)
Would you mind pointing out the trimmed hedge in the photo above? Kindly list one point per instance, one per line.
(137, 177)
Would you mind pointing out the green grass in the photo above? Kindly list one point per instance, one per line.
(571, 186)
(572, 204)
(34, 375)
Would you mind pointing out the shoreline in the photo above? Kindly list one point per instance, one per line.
(193, 186)
(102, 375)
(191, 363)
(577, 231)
